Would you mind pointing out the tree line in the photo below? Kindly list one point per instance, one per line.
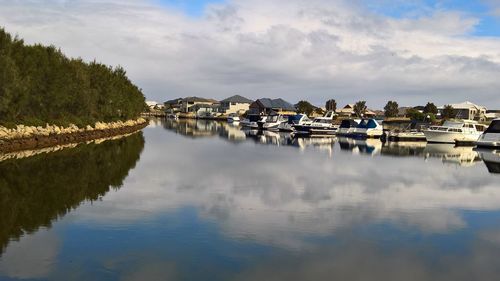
(39, 85)
(391, 109)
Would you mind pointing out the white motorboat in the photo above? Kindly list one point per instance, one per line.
(368, 128)
(252, 121)
(319, 126)
(347, 127)
(233, 117)
(272, 122)
(490, 137)
(299, 119)
(453, 131)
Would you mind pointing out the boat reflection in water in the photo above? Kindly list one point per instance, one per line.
(491, 159)
(464, 156)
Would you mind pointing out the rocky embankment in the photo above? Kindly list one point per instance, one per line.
(29, 137)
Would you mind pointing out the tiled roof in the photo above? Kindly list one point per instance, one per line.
(237, 99)
(276, 103)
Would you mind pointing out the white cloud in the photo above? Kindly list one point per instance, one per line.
(293, 49)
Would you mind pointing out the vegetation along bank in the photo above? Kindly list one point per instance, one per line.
(41, 89)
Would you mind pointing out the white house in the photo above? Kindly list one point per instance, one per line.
(467, 110)
(235, 104)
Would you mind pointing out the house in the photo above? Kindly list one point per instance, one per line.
(205, 110)
(187, 103)
(235, 104)
(348, 111)
(154, 105)
(467, 110)
(267, 106)
(173, 106)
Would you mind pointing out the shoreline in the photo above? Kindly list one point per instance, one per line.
(53, 136)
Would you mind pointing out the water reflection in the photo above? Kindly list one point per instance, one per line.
(464, 156)
(35, 191)
(277, 208)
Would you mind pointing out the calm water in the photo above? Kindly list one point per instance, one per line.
(206, 201)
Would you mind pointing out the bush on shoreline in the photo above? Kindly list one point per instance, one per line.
(40, 85)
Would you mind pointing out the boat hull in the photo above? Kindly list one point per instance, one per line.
(448, 137)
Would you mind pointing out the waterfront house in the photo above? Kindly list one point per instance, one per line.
(173, 106)
(267, 106)
(467, 110)
(205, 110)
(187, 103)
(348, 111)
(235, 104)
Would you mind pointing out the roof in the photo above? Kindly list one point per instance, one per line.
(237, 99)
(198, 99)
(174, 101)
(276, 103)
(465, 105)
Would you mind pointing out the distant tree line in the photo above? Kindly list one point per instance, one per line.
(39, 85)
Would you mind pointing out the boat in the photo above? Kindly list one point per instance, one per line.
(347, 127)
(453, 131)
(368, 128)
(491, 137)
(272, 122)
(491, 158)
(233, 117)
(298, 119)
(252, 121)
(411, 133)
(173, 116)
(320, 126)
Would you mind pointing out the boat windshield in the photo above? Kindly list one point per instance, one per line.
(453, 124)
(494, 127)
(348, 124)
(272, 118)
(294, 119)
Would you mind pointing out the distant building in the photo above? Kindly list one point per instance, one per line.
(467, 110)
(348, 111)
(235, 104)
(173, 106)
(267, 106)
(154, 105)
(187, 103)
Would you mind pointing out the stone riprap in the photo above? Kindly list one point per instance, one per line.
(30, 137)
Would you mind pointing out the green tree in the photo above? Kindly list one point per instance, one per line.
(391, 109)
(360, 108)
(331, 105)
(430, 108)
(39, 85)
(448, 112)
(305, 107)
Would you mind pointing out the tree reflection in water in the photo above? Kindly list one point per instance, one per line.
(37, 190)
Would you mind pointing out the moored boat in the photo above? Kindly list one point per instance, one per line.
(451, 131)
(368, 128)
(320, 126)
(298, 119)
(347, 127)
(272, 122)
(233, 117)
(491, 137)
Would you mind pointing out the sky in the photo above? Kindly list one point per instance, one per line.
(412, 51)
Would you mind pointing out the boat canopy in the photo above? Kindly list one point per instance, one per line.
(368, 124)
(348, 123)
(494, 127)
(295, 119)
(253, 117)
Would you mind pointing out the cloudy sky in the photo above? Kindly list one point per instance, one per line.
(410, 51)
